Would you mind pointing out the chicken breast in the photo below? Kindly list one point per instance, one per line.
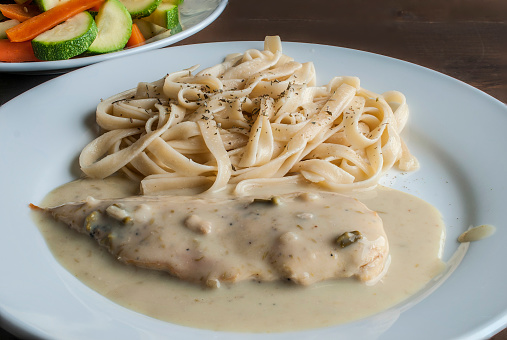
(301, 237)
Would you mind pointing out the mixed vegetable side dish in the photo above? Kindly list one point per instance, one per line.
(62, 29)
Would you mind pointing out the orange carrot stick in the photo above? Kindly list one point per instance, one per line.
(19, 12)
(16, 52)
(34, 26)
(34, 207)
(136, 38)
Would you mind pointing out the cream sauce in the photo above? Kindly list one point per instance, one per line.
(415, 232)
(477, 233)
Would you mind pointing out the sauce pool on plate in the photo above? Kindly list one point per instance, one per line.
(414, 228)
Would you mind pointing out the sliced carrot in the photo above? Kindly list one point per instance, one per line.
(34, 26)
(18, 11)
(16, 52)
(136, 38)
(34, 207)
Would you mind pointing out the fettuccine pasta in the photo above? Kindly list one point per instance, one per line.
(256, 119)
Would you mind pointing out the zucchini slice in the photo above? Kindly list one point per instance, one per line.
(5, 25)
(114, 28)
(166, 15)
(149, 29)
(44, 5)
(140, 8)
(69, 39)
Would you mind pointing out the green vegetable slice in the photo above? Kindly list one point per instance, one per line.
(67, 40)
(44, 5)
(140, 8)
(149, 29)
(5, 25)
(174, 2)
(166, 15)
(114, 27)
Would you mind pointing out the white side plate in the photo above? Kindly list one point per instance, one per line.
(194, 16)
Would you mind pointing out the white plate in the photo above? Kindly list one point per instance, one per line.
(457, 132)
(194, 16)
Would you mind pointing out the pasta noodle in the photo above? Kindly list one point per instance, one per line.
(257, 118)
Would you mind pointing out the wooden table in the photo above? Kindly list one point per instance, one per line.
(465, 39)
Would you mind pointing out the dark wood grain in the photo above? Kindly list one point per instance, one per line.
(464, 39)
